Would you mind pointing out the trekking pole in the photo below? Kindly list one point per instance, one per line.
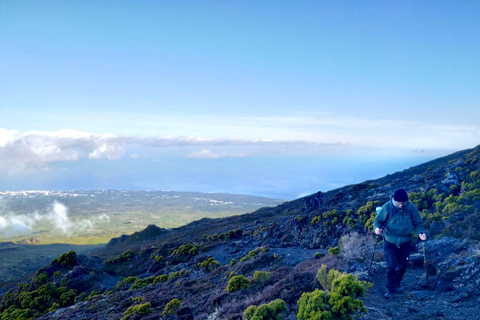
(373, 255)
(426, 267)
(375, 246)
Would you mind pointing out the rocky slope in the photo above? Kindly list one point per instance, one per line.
(138, 276)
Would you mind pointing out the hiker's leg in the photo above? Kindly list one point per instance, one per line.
(402, 261)
(390, 251)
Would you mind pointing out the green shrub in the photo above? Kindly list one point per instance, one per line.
(315, 220)
(316, 255)
(126, 282)
(137, 299)
(209, 264)
(40, 278)
(54, 307)
(142, 309)
(141, 283)
(187, 249)
(161, 278)
(326, 279)
(261, 276)
(253, 253)
(312, 306)
(334, 251)
(81, 297)
(172, 307)
(92, 294)
(271, 311)
(67, 260)
(339, 302)
(233, 262)
(125, 256)
(231, 274)
(238, 283)
(366, 212)
(68, 298)
(156, 258)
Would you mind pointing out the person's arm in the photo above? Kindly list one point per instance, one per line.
(380, 220)
(417, 222)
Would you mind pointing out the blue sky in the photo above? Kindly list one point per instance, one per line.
(272, 98)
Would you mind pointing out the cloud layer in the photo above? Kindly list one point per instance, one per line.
(22, 152)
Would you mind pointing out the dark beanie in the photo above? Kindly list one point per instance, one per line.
(400, 195)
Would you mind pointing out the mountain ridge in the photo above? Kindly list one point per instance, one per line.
(288, 244)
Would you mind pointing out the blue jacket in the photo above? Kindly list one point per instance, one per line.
(400, 223)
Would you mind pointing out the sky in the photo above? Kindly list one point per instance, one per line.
(269, 98)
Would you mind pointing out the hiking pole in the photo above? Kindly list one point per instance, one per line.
(375, 246)
(373, 255)
(426, 267)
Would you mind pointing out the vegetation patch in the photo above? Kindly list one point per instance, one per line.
(271, 311)
(238, 283)
(142, 309)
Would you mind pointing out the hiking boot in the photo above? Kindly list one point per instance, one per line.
(388, 295)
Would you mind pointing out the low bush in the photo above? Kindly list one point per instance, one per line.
(187, 249)
(209, 264)
(271, 311)
(142, 309)
(67, 260)
(238, 283)
(356, 247)
(334, 251)
(261, 276)
(172, 307)
(253, 253)
(339, 302)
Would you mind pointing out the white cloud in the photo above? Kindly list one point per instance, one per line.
(56, 218)
(7, 136)
(20, 152)
(33, 150)
(233, 137)
(207, 154)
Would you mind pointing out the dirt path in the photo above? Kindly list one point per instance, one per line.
(416, 302)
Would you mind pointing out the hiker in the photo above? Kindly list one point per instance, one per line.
(396, 221)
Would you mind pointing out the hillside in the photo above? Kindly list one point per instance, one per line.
(195, 271)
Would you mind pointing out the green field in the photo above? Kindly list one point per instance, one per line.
(95, 217)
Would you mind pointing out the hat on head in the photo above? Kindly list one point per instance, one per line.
(400, 195)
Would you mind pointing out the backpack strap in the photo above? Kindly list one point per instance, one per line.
(390, 212)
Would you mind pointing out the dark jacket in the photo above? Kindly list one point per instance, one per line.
(400, 223)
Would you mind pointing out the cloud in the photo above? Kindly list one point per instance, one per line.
(22, 152)
(36, 150)
(207, 154)
(56, 218)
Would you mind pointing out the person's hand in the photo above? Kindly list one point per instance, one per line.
(378, 231)
(422, 236)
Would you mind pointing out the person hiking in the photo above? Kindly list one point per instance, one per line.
(396, 221)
